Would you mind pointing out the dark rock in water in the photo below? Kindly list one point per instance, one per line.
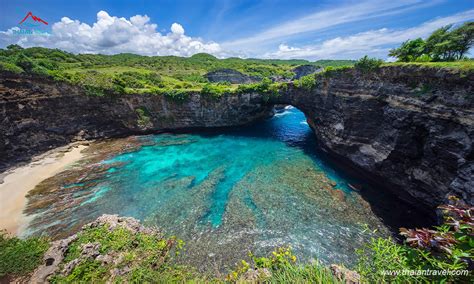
(230, 75)
(304, 70)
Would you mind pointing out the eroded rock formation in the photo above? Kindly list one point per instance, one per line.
(38, 114)
(231, 76)
(304, 70)
(409, 129)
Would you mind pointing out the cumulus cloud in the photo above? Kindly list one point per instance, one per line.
(373, 42)
(110, 35)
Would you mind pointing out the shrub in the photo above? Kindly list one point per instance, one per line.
(307, 82)
(447, 247)
(24, 62)
(423, 58)
(368, 64)
(147, 255)
(10, 67)
(20, 257)
(214, 90)
(143, 117)
(282, 268)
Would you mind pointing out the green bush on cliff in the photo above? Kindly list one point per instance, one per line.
(10, 67)
(20, 257)
(367, 64)
(215, 90)
(307, 82)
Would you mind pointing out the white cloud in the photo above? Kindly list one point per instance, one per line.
(373, 42)
(177, 29)
(328, 18)
(110, 35)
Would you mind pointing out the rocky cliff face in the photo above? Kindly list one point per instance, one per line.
(231, 76)
(304, 70)
(409, 129)
(38, 114)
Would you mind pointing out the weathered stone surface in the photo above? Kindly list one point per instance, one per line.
(344, 274)
(255, 275)
(38, 114)
(409, 129)
(56, 253)
(304, 70)
(231, 76)
(52, 258)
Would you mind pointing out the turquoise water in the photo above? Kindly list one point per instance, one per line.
(246, 189)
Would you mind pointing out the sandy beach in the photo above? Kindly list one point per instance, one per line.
(18, 181)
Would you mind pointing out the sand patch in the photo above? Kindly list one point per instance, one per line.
(18, 181)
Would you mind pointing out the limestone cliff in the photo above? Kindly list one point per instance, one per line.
(409, 129)
(38, 114)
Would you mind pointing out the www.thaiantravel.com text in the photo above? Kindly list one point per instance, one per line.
(426, 272)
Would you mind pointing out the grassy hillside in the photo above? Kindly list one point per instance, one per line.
(172, 76)
(131, 73)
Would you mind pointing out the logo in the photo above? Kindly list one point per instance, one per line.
(31, 25)
(36, 19)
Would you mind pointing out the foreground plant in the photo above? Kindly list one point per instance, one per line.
(280, 267)
(20, 257)
(445, 250)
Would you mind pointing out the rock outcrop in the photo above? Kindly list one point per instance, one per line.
(230, 75)
(55, 255)
(304, 70)
(38, 114)
(409, 129)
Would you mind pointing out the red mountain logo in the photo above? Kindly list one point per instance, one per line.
(36, 19)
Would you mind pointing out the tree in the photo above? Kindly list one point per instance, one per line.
(444, 44)
(440, 44)
(410, 50)
(14, 47)
(463, 38)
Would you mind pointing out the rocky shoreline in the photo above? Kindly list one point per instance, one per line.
(409, 129)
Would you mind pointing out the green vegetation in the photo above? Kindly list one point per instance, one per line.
(444, 44)
(368, 64)
(172, 76)
(448, 247)
(281, 267)
(307, 82)
(143, 117)
(20, 257)
(144, 256)
(464, 65)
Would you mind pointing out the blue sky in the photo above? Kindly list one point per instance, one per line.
(278, 29)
